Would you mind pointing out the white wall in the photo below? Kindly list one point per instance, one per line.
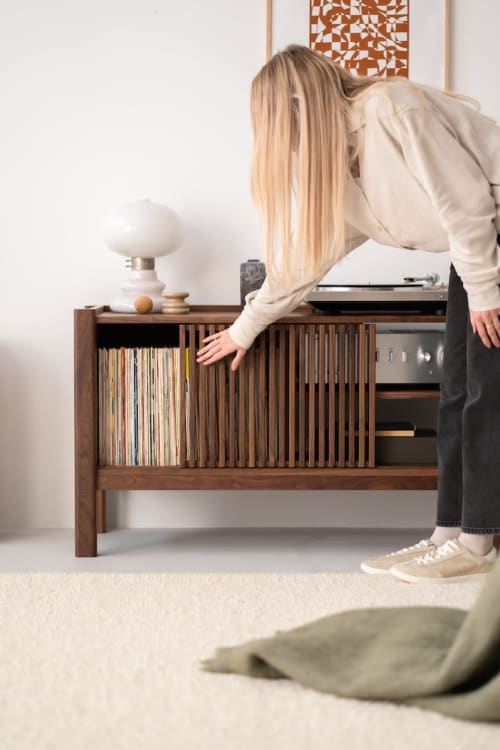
(113, 100)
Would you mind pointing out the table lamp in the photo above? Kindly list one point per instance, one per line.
(142, 231)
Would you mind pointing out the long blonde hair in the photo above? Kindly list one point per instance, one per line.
(299, 108)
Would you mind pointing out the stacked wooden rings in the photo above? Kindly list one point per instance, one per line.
(174, 303)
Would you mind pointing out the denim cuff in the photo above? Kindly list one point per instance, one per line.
(472, 530)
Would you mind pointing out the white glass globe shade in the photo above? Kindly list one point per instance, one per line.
(143, 229)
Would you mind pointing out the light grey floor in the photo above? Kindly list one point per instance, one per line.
(203, 550)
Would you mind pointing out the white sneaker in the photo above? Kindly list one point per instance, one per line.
(383, 564)
(449, 563)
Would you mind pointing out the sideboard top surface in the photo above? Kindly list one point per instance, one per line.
(227, 314)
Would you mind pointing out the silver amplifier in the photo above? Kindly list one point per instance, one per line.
(402, 355)
(414, 356)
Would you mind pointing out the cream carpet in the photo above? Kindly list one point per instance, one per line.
(110, 660)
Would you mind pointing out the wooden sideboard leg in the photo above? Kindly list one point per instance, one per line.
(101, 511)
(85, 414)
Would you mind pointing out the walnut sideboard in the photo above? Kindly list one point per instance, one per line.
(300, 413)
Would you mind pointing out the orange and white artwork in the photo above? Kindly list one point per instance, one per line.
(367, 36)
(405, 38)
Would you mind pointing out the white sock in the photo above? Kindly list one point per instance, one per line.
(441, 534)
(478, 544)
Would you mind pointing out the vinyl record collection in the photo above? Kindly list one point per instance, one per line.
(139, 406)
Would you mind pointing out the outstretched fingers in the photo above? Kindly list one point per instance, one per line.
(213, 348)
(219, 345)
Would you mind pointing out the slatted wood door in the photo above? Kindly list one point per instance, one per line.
(304, 396)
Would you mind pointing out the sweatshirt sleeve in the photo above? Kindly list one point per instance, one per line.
(462, 196)
(266, 305)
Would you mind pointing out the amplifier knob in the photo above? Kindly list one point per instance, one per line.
(424, 356)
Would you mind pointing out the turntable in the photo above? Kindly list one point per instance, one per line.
(418, 295)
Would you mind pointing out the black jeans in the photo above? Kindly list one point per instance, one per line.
(469, 424)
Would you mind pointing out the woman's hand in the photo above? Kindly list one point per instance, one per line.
(217, 346)
(486, 324)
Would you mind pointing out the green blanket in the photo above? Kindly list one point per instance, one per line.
(438, 658)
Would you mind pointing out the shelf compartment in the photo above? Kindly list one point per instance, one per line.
(418, 450)
(129, 335)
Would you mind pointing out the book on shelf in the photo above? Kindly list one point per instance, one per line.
(139, 406)
(395, 429)
(392, 429)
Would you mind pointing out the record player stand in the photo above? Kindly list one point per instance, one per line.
(296, 415)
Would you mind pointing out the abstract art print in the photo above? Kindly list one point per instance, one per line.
(407, 38)
(364, 35)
